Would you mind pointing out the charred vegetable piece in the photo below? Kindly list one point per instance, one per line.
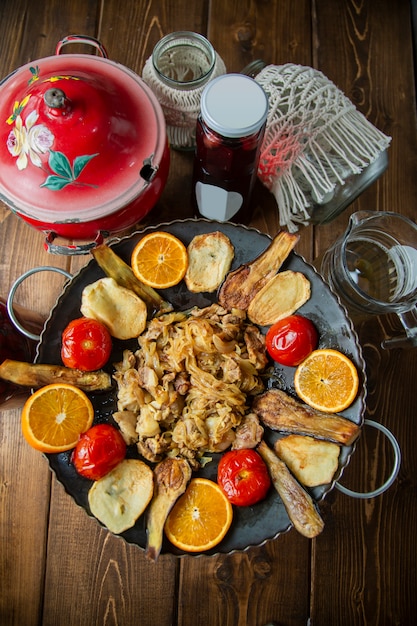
(280, 411)
(122, 273)
(298, 503)
(40, 374)
(171, 478)
(242, 285)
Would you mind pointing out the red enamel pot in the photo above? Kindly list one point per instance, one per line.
(83, 146)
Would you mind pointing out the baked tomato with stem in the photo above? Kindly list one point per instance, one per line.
(98, 451)
(243, 476)
(291, 340)
(86, 344)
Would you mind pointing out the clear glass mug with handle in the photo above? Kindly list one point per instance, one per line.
(373, 269)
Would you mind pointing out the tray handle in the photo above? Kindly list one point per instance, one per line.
(397, 462)
(12, 292)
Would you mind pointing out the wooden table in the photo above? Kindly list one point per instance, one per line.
(58, 566)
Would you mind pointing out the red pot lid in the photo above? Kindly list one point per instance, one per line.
(79, 137)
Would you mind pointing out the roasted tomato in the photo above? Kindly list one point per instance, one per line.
(98, 451)
(86, 344)
(243, 476)
(291, 340)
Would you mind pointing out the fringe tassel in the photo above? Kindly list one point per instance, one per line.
(315, 140)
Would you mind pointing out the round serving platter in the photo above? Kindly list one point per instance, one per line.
(254, 525)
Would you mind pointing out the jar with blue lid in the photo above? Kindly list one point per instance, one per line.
(229, 134)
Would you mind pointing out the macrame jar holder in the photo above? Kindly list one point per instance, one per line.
(178, 84)
(319, 152)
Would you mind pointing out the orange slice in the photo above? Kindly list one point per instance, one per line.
(159, 260)
(327, 380)
(54, 417)
(200, 518)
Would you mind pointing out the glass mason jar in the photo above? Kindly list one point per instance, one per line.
(181, 65)
(320, 153)
(229, 134)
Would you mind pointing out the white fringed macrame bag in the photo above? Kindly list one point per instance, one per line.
(315, 139)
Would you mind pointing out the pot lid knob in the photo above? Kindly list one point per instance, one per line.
(55, 99)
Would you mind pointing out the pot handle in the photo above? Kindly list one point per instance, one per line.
(81, 39)
(72, 249)
(12, 292)
(394, 473)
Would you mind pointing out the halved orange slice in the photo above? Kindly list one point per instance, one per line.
(159, 260)
(200, 518)
(327, 380)
(54, 417)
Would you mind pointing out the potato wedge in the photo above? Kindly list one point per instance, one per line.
(241, 285)
(210, 256)
(118, 308)
(281, 296)
(119, 498)
(313, 462)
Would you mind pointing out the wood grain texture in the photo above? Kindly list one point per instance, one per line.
(24, 503)
(369, 67)
(57, 565)
(106, 580)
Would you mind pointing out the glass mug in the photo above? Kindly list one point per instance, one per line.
(373, 269)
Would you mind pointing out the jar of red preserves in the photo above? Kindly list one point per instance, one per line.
(229, 133)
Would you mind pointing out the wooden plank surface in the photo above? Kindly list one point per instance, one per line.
(57, 565)
(363, 52)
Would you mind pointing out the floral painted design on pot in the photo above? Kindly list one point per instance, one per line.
(28, 138)
(83, 147)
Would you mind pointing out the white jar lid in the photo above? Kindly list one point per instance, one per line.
(234, 105)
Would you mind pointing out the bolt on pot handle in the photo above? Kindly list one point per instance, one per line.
(12, 292)
(397, 462)
(91, 41)
(72, 249)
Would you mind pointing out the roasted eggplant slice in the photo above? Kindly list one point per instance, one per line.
(242, 284)
(40, 374)
(171, 478)
(280, 411)
(114, 267)
(298, 503)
